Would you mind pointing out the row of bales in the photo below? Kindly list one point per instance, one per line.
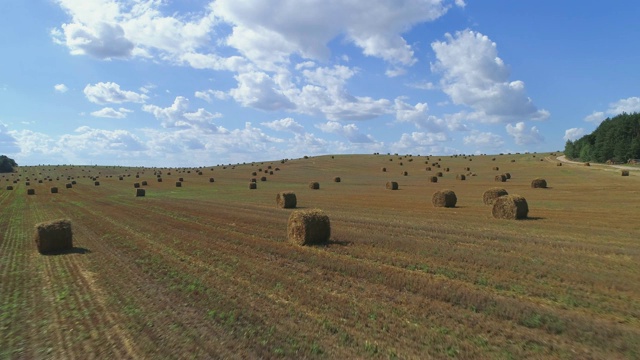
(313, 226)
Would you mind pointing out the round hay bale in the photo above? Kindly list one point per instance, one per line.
(587, 164)
(428, 168)
(490, 196)
(308, 227)
(286, 200)
(559, 164)
(211, 180)
(27, 183)
(264, 178)
(314, 185)
(511, 207)
(136, 185)
(181, 179)
(467, 169)
(392, 185)
(68, 186)
(54, 236)
(178, 184)
(144, 183)
(404, 173)
(495, 168)
(439, 174)
(96, 183)
(9, 187)
(384, 169)
(54, 190)
(444, 198)
(446, 169)
(539, 183)
(253, 180)
(623, 173)
(507, 175)
(513, 160)
(461, 177)
(337, 179)
(74, 182)
(500, 178)
(120, 178)
(253, 186)
(159, 179)
(254, 174)
(433, 179)
(140, 192)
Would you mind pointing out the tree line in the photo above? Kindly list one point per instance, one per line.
(616, 139)
(7, 164)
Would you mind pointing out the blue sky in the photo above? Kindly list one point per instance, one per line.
(200, 82)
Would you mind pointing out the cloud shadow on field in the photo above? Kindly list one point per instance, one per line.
(74, 250)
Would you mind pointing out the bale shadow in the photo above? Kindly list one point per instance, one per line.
(533, 218)
(74, 250)
(333, 242)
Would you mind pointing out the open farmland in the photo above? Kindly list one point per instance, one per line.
(205, 270)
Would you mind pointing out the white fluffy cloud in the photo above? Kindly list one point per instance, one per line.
(628, 105)
(483, 140)
(108, 29)
(209, 95)
(109, 92)
(178, 116)
(419, 143)
(523, 136)
(418, 115)
(8, 143)
(286, 124)
(595, 117)
(98, 141)
(268, 32)
(259, 90)
(112, 113)
(349, 131)
(574, 133)
(474, 76)
(61, 88)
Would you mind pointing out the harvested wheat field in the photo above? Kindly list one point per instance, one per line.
(207, 271)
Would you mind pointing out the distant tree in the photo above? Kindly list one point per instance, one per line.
(7, 164)
(615, 139)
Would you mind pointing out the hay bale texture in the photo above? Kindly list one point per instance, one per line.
(308, 227)
(461, 177)
(490, 196)
(433, 179)
(31, 191)
(392, 185)
(54, 190)
(623, 173)
(253, 186)
(337, 179)
(500, 178)
(286, 200)
(444, 198)
(140, 192)
(511, 207)
(539, 183)
(314, 185)
(54, 236)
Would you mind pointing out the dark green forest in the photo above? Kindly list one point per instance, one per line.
(7, 164)
(616, 139)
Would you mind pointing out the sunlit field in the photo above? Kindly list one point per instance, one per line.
(205, 270)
